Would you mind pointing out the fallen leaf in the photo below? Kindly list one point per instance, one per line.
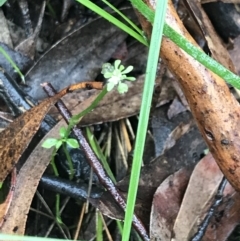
(26, 185)
(200, 192)
(179, 218)
(17, 136)
(176, 108)
(4, 207)
(166, 203)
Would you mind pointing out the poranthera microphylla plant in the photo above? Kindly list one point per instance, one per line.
(115, 74)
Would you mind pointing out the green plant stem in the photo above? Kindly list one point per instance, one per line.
(99, 226)
(9, 59)
(55, 171)
(76, 118)
(57, 206)
(69, 159)
(97, 150)
(153, 57)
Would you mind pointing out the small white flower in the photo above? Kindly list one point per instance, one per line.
(116, 74)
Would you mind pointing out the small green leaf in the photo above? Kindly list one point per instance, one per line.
(62, 131)
(122, 88)
(49, 143)
(121, 68)
(58, 144)
(110, 86)
(127, 70)
(108, 75)
(107, 67)
(72, 143)
(130, 78)
(117, 63)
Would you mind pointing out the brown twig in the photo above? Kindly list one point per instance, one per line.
(95, 163)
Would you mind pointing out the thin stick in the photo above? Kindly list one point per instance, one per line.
(95, 163)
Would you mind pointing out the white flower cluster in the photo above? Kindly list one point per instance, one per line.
(116, 74)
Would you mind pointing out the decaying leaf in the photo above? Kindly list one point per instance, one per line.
(201, 189)
(199, 195)
(176, 108)
(17, 136)
(166, 203)
(180, 205)
(26, 185)
(4, 207)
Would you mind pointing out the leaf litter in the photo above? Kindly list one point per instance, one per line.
(163, 159)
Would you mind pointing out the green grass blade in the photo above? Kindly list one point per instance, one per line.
(144, 113)
(99, 227)
(97, 150)
(9, 59)
(113, 20)
(133, 25)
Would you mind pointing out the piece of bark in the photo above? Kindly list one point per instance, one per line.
(213, 106)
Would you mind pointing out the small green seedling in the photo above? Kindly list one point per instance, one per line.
(57, 143)
(54, 142)
(116, 74)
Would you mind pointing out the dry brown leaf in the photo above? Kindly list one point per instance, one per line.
(201, 189)
(166, 203)
(17, 136)
(198, 197)
(26, 185)
(4, 207)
